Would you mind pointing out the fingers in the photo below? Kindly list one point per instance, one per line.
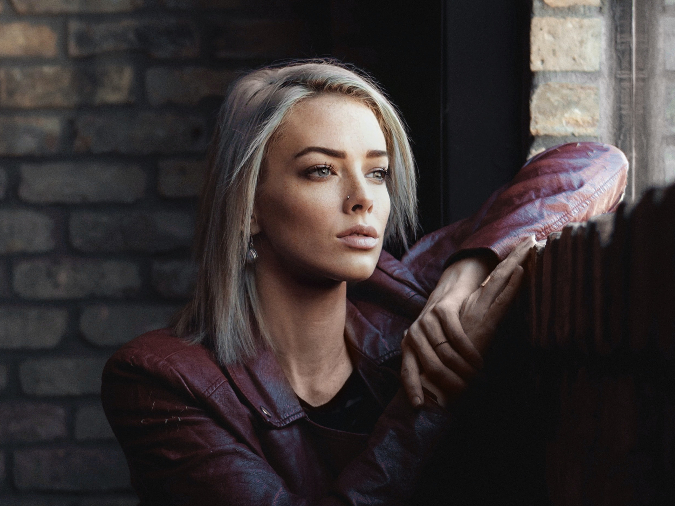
(458, 341)
(484, 308)
(498, 309)
(438, 373)
(503, 301)
(410, 376)
(500, 277)
(425, 338)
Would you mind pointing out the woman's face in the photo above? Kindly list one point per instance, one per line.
(322, 206)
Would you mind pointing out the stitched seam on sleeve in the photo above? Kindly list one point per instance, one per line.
(566, 218)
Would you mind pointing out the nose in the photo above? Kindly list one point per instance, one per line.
(359, 197)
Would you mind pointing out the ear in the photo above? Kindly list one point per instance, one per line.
(255, 228)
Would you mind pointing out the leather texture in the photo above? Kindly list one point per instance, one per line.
(196, 433)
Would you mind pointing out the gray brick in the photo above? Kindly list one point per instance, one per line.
(174, 279)
(137, 231)
(31, 422)
(259, 38)
(3, 182)
(181, 178)
(25, 231)
(91, 423)
(4, 373)
(566, 44)
(24, 135)
(71, 469)
(56, 86)
(186, 85)
(61, 376)
(75, 6)
(160, 38)
(31, 328)
(107, 325)
(560, 109)
(75, 182)
(75, 278)
(140, 133)
(27, 39)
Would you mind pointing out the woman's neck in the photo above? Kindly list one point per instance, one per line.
(306, 321)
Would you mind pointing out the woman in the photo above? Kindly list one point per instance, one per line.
(272, 387)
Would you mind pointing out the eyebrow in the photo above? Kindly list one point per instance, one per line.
(373, 153)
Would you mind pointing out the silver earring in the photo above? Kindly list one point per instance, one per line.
(347, 197)
(251, 253)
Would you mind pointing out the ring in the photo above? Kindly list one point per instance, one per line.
(438, 344)
(486, 280)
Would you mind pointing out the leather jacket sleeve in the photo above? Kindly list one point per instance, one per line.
(190, 440)
(564, 184)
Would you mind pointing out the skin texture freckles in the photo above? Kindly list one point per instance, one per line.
(329, 147)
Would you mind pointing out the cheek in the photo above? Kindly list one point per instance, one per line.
(384, 208)
(290, 211)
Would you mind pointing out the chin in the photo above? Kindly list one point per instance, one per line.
(360, 273)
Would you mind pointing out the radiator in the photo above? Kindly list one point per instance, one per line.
(608, 285)
(600, 307)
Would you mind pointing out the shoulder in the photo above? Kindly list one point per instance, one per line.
(161, 355)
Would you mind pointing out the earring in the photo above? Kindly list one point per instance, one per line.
(347, 197)
(251, 253)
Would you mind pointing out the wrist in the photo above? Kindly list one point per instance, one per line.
(469, 272)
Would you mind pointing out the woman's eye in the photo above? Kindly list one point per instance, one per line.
(320, 171)
(379, 174)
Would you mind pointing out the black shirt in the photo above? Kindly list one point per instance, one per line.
(353, 409)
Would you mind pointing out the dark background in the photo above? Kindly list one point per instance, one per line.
(459, 72)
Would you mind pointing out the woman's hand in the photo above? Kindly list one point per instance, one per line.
(456, 326)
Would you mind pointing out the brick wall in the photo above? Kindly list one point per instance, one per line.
(106, 108)
(571, 94)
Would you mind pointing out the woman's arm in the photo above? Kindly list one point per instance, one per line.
(563, 184)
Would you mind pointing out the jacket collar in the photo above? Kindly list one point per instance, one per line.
(266, 389)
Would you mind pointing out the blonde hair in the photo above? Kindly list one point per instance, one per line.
(224, 313)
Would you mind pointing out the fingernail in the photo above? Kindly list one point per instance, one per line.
(417, 401)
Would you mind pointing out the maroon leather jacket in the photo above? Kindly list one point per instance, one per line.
(196, 433)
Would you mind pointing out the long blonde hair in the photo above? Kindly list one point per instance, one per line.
(224, 312)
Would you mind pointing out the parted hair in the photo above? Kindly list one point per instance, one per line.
(224, 313)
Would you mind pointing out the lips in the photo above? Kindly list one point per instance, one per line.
(359, 237)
